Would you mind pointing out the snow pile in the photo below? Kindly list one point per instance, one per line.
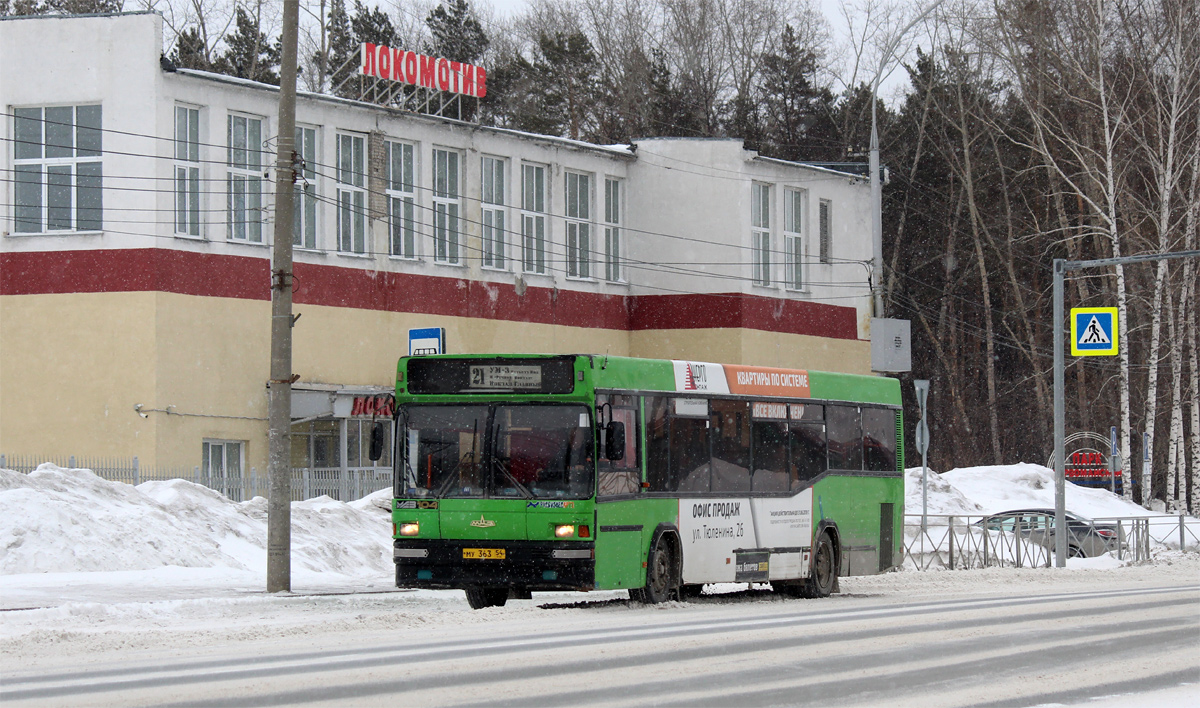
(57, 520)
(944, 498)
(996, 488)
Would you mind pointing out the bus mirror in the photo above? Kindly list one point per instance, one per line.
(376, 450)
(614, 441)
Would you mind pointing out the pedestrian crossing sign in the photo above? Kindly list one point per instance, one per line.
(1094, 331)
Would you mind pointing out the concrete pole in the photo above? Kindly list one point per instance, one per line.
(279, 473)
(876, 210)
(1060, 479)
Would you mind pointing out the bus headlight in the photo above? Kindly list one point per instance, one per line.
(410, 529)
(564, 530)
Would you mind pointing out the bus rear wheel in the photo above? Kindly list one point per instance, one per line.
(823, 575)
(660, 575)
(479, 598)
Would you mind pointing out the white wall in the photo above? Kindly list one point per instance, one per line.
(687, 201)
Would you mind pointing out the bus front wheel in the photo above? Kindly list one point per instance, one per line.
(479, 598)
(823, 575)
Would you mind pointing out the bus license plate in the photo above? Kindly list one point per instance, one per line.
(484, 553)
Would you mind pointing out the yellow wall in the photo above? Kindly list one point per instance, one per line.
(72, 367)
(750, 346)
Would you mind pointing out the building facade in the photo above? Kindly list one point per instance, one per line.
(135, 252)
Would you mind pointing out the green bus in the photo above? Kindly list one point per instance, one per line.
(522, 473)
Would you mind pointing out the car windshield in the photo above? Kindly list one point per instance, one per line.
(517, 451)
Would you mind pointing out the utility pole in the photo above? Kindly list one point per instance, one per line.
(279, 416)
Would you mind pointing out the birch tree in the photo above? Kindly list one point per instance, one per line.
(1079, 145)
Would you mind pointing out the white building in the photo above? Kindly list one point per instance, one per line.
(136, 225)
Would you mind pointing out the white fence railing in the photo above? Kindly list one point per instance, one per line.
(1027, 541)
(343, 484)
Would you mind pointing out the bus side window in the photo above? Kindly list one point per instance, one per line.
(808, 451)
(845, 438)
(730, 431)
(690, 465)
(770, 456)
(622, 476)
(658, 443)
(879, 439)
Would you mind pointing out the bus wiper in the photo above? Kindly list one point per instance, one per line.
(452, 475)
(498, 463)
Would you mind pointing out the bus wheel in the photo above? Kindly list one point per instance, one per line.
(479, 598)
(660, 578)
(823, 576)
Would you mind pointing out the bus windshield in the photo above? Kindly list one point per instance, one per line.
(499, 451)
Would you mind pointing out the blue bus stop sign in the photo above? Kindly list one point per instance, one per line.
(425, 341)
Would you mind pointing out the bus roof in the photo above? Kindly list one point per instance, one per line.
(673, 375)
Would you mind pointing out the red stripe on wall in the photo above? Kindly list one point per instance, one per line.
(210, 275)
(749, 311)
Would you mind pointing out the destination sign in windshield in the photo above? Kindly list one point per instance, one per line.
(506, 377)
(491, 375)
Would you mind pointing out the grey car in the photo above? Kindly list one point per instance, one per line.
(1085, 538)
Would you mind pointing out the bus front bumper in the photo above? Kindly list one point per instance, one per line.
(532, 565)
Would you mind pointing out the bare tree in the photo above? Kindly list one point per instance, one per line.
(1072, 42)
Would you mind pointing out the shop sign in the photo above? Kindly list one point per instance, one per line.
(382, 406)
(435, 73)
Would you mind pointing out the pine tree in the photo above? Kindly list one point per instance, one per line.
(249, 54)
(566, 69)
(745, 121)
(797, 113)
(84, 7)
(670, 113)
(372, 25)
(457, 36)
(190, 52)
(22, 8)
(338, 65)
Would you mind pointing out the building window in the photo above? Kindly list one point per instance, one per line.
(826, 227)
(760, 232)
(351, 194)
(58, 169)
(579, 234)
(612, 230)
(399, 176)
(304, 217)
(222, 458)
(245, 178)
(447, 206)
(317, 444)
(793, 238)
(495, 235)
(358, 443)
(187, 171)
(533, 218)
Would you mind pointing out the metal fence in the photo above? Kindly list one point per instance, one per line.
(343, 484)
(963, 541)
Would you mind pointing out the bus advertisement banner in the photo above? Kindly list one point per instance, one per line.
(716, 532)
(703, 377)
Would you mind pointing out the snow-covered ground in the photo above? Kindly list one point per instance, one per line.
(68, 536)
(89, 567)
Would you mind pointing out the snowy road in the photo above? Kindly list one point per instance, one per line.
(868, 646)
